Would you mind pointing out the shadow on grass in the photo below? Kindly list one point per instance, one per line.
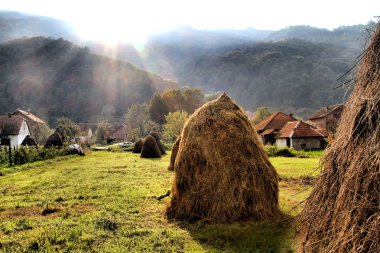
(261, 236)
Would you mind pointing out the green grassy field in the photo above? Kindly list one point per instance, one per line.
(106, 202)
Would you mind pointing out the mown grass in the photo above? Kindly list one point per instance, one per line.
(106, 202)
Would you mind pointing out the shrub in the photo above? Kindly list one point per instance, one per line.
(280, 151)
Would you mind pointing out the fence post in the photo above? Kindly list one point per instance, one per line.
(10, 155)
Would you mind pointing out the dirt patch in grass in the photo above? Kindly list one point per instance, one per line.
(303, 180)
(39, 211)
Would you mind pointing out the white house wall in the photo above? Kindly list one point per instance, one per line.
(281, 142)
(16, 140)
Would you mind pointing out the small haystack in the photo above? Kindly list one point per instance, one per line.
(54, 140)
(222, 173)
(342, 213)
(150, 148)
(29, 141)
(174, 153)
(137, 146)
(161, 146)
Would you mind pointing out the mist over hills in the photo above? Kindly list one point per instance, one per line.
(14, 25)
(294, 69)
(54, 78)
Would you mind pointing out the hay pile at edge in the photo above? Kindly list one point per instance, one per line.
(342, 213)
(222, 173)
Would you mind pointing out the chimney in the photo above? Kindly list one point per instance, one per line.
(9, 115)
(291, 115)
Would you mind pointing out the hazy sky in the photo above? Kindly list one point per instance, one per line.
(113, 20)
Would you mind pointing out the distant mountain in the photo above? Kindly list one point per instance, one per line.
(54, 78)
(293, 69)
(293, 75)
(14, 25)
(353, 37)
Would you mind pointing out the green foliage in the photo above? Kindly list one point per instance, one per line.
(66, 128)
(158, 109)
(261, 113)
(102, 132)
(41, 132)
(273, 151)
(135, 119)
(174, 124)
(138, 122)
(279, 151)
(27, 154)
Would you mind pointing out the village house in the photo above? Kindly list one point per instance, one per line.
(268, 128)
(28, 116)
(13, 127)
(301, 136)
(120, 133)
(327, 117)
(83, 136)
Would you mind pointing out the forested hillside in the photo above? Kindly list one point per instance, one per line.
(14, 25)
(294, 69)
(55, 78)
(292, 75)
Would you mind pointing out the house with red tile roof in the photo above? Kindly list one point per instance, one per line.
(14, 128)
(268, 128)
(301, 136)
(327, 117)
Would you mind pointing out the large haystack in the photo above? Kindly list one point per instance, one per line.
(54, 140)
(161, 146)
(342, 213)
(29, 141)
(222, 173)
(150, 148)
(174, 153)
(137, 146)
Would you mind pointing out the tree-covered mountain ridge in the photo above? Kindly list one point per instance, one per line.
(53, 78)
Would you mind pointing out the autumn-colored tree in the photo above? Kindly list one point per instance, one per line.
(194, 98)
(174, 100)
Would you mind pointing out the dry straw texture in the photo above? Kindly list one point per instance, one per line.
(137, 146)
(54, 140)
(222, 173)
(150, 148)
(342, 213)
(174, 153)
(29, 141)
(161, 146)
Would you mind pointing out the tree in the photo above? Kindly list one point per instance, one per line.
(135, 120)
(66, 128)
(194, 98)
(174, 100)
(102, 132)
(261, 113)
(174, 124)
(41, 132)
(158, 109)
